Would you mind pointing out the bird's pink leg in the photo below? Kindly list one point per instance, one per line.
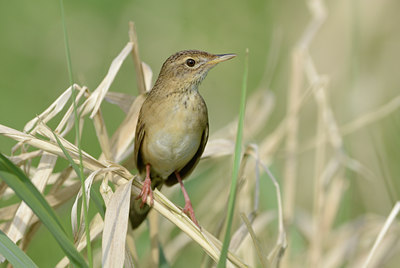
(146, 189)
(188, 209)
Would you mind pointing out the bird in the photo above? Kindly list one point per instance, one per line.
(172, 128)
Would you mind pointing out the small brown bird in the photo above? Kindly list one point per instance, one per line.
(172, 128)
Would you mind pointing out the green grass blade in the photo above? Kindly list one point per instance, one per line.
(80, 174)
(69, 158)
(98, 202)
(96, 198)
(163, 262)
(236, 164)
(28, 191)
(25, 190)
(13, 253)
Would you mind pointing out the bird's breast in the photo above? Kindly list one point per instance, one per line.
(173, 141)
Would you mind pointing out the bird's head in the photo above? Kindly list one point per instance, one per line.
(189, 67)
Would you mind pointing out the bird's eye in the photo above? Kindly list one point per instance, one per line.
(190, 62)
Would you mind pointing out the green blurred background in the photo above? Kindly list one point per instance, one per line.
(357, 48)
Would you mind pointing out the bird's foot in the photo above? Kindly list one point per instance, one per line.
(188, 210)
(146, 192)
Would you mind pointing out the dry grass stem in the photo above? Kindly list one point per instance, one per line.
(389, 221)
(136, 59)
(371, 117)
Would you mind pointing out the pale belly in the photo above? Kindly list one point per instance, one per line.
(171, 149)
(173, 133)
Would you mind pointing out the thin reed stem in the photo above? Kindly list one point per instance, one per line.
(81, 175)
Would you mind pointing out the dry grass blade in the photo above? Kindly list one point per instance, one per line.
(218, 147)
(281, 242)
(176, 245)
(116, 226)
(51, 147)
(258, 109)
(271, 143)
(359, 123)
(131, 248)
(298, 60)
(19, 159)
(292, 122)
(31, 140)
(141, 81)
(94, 101)
(389, 221)
(217, 245)
(96, 228)
(102, 136)
(63, 185)
(154, 238)
(68, 120)
(50, 112)
(250, 194)
(371, 117)
(55, 200)
(122, 100)
(259, 250)
(24, 214)
(258, 224)
(74, 211)
(122, 140)
(148, 76)
(161, 204)
(129, 261)
(182, 221)
(333, 197)
(241, 233)
(320, 85)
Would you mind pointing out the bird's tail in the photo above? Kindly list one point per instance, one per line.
(137, 214)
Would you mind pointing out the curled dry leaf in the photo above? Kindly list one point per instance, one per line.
(116, 226)
(74, 210)
(122, 100)
(50, 112)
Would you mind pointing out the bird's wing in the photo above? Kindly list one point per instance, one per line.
(139, 135)
(188, 168)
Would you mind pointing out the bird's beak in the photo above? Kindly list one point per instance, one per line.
(221, 58)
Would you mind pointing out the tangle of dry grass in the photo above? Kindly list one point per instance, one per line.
(262, 237)
(37, 141)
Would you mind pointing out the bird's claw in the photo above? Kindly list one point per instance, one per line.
(146, 192)
(188, 210)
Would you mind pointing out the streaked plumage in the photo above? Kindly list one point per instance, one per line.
(172, 128)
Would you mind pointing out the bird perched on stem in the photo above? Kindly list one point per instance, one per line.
(172, 128)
